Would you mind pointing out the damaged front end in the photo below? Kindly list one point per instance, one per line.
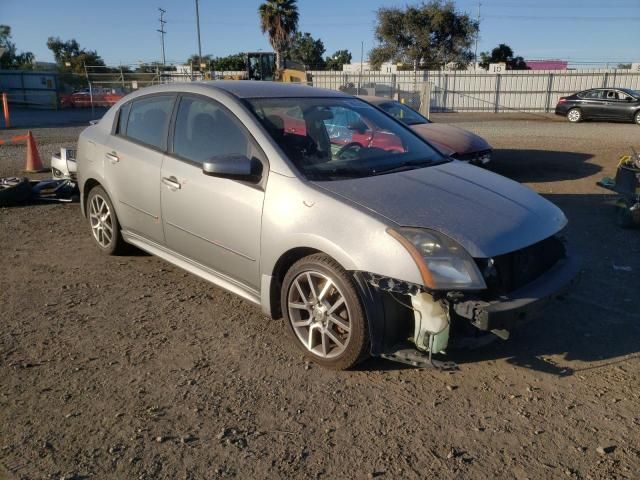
(410, 322)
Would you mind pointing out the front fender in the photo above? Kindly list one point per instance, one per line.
(297, 214)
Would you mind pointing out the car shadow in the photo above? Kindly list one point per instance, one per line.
(542, 165)
(598, 322)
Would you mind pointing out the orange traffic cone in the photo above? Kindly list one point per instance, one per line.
(34, 164)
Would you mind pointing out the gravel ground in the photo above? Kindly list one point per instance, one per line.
(127, 367)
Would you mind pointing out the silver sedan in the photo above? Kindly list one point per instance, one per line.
(266, 190)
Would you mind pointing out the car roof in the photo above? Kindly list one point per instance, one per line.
(262, 89)
(376, 100)
(608, 88)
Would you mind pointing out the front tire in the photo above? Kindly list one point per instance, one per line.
(103, 222)
(574, 115)
(636, 118)
(324, 314)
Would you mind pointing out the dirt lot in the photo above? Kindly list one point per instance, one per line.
(126, 367)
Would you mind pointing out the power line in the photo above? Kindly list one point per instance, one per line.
(564, 18)
(162, 32)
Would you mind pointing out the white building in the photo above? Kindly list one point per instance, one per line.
(356, 67)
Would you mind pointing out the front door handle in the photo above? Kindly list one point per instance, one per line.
(112, 157)
(172, 183)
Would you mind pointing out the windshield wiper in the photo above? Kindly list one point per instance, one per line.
(342, 172)
(410, 165)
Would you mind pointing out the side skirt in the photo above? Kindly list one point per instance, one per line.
(191, 266)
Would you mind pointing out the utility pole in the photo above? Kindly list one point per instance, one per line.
(361, 61)
(198, 26)
(162, 32)
(475, 55)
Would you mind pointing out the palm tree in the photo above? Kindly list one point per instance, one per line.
(279, 19)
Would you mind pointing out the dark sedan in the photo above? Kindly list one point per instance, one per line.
(601, 104)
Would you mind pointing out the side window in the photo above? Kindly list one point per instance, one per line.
(148, 120)
(204, 130)
(592, 94)
(121, 121)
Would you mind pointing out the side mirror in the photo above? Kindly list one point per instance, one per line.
(233, 167)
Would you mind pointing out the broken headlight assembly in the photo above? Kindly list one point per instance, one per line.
(443, 264)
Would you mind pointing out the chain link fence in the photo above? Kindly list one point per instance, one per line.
(447, 91)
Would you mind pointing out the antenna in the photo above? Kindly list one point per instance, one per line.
(162, 32)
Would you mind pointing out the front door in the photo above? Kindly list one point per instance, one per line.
(618, 105)
(213, 221)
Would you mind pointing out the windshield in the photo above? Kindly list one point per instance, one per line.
(336, 138)
(633, 93)
(403, 113)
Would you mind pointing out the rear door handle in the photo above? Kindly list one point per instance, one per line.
(112, 157)
(172, 183)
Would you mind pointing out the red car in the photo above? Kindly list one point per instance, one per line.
(451, 141)
(344, 128)
(82, 98)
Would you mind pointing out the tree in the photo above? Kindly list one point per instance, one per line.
(423, 35)
(279, 20)
(338, 59)
(306, 50)
(502, 54)
(195, 61)
(237, 61)
(70, 57)
(624, 66)
(151, 67)
(11, 59)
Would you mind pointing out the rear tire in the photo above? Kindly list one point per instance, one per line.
(574, 115)
(636, 118)
(103, 222)
(323, 313)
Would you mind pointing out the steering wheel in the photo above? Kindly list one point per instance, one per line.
(351, 146)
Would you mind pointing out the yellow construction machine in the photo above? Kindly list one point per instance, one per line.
(262, 66)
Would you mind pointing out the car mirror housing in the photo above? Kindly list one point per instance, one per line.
(233, 167)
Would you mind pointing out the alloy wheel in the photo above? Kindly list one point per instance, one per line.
(574, 115)
(319, 314)
(101, 221)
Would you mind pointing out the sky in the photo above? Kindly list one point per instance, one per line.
(124, 31)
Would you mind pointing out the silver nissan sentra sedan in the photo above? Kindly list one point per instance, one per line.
(387, 249)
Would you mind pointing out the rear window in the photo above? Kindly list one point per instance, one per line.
(148, 120)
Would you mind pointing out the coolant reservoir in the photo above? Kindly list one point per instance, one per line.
(430, 321)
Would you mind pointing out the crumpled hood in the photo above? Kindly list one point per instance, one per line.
(484, 212)
(449, 139)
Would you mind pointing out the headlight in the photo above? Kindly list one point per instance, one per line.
(443, 264)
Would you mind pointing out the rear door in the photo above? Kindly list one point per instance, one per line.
(133, 162)
(592, 104)
(213, 221)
